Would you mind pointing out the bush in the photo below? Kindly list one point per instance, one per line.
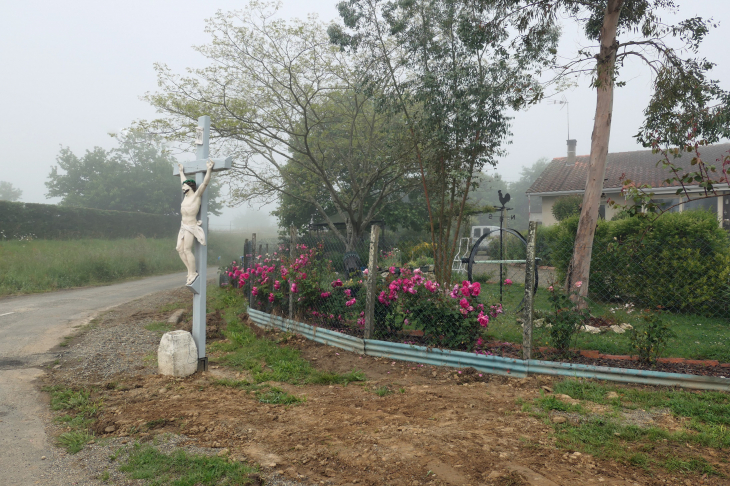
(679, 262)
(48, 221)
(650, 338)
(567, 206)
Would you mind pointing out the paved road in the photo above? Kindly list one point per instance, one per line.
(30, 326)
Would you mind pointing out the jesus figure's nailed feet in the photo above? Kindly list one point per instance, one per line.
(191, 278)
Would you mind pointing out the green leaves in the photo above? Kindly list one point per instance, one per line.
(136, 176)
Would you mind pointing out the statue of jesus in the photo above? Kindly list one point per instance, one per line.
(190, 228)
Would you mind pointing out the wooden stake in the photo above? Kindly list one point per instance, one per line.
(529, 291)
(372, 279)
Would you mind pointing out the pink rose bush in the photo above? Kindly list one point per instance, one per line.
(407, 300)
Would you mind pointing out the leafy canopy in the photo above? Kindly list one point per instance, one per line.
(8, 192)
(135, 176)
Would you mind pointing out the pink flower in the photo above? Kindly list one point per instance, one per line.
(294, 288)
(271, 298)
(381, 298)
(392, 270)
(277, 285)
(255, 291)
(284, 271)
(507, 281)
(336, 283)
(480, 342)
(245, 275)
(455, 292)
(550, 289)
(350, 303)
(475, 289)
(302, 276)
(464, 303)
(578, 284)
(348, 292)
(324, 295)
(483, 321)
(405, 322)
(365, 272)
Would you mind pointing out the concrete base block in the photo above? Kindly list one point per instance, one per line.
(177, 354)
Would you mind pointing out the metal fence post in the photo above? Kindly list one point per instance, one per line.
(292, 246)
(253, 264)
(529, 291)
(372, 279)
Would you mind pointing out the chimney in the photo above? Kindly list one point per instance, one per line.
(571, 152)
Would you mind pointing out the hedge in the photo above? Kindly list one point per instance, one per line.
(680, 261)
(48, 221)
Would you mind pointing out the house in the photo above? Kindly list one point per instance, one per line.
(566, 176)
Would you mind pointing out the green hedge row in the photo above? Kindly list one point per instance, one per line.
(680, 262)
(48, 221)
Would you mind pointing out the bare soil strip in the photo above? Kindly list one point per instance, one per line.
(409, 424)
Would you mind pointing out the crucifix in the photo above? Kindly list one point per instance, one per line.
(194, 228)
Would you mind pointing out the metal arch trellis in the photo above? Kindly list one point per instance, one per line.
(470, 260)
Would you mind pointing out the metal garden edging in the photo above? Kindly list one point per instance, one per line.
(485, 363)
(324, 336)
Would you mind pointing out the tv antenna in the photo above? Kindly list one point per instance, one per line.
(563, 101)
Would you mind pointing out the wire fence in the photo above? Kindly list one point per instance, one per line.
(319, 280)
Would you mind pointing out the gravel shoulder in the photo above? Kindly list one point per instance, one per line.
(115, 346)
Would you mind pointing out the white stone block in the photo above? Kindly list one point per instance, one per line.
(177, 354)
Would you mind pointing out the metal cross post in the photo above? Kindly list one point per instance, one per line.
(198, 167)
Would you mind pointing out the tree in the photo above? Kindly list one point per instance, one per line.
(135, 176)
(297, 118)
(566, 206)
(452, 69)
(674, 78)
(8, 192)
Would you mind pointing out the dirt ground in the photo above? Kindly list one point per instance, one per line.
(438, 427)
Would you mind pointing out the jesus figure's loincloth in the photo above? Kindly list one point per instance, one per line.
(195, 230)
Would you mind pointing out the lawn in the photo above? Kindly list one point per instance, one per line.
(697, 337)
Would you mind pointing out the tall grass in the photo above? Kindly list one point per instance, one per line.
(44, 265)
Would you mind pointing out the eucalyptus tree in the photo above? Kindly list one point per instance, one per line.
(452, 69)
(299, 119)
(685, 99)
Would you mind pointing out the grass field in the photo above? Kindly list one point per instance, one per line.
(697, 337)
(46, 265)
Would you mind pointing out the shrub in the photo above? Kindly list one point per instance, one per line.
(48, 221)
(566, 318)
(567, 206)
(650, 338)
(679, 262)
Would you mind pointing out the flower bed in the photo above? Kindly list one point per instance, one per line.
(406, 300)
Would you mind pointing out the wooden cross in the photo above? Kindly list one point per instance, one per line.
(199, 168)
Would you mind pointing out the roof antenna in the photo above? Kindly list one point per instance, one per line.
(563, 101)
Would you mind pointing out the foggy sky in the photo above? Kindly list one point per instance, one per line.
(74, 71)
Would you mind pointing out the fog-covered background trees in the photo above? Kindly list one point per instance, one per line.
(135, 176)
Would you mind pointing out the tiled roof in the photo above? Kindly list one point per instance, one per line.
(640, 167)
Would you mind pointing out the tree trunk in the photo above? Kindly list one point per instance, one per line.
(606, 60)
